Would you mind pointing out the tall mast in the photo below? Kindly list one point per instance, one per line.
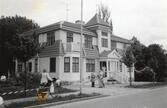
(81, 47)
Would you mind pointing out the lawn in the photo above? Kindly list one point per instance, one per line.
(28, 94)
(55, 99)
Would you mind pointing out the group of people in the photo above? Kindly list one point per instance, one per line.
(99, 77)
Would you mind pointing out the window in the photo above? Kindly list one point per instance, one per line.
(36, 65)
(90, 65)
(104, 42)
(69, 37)
(88, 42)
(120, 67)
(66, 64)
(75, 64)
(19, 67)
(104, 33)
(113, 45)
(109, 65)
(52, 64)
(117, 66)
(51, 38)
(42, 38)
(29, 67)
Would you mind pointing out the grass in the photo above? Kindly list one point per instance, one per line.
(55, 99)
(28, 94)
(148, 85)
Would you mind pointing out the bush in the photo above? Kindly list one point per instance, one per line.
(146, 75)
(6, 83)
(32, 80)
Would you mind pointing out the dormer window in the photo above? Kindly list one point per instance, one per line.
(104, 33)
(51, 38)
(69, 37)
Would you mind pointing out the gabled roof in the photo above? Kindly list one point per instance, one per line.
(91, 53)
(105, 53)
(63, 25)
(119, 39)
(76, 28)
(96, 20)
(56, 49)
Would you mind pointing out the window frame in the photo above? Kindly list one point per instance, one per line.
(66, 63)
(75, 64)
(88, 42)
(52, 69)
(90, 65)
(103, 33)
(104, 42)
(120, 66)
(113, 44)
(51, 37)
(69, 37)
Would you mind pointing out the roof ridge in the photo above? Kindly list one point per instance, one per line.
(96, 20)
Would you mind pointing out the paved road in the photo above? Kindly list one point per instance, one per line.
(156, 98)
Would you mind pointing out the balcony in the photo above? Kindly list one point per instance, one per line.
(72, 47)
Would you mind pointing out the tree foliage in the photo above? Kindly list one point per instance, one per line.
(156, 59)
(10, 28)
(137, 49)
(105, 14)
(129, 59)
(27, 48)
(152, 56)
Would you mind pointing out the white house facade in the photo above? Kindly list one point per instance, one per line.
(60, 51)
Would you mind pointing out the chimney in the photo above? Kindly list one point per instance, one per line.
(80, 22)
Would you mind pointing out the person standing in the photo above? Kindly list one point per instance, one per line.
(92, 79)
(45, 79)
(100, 78)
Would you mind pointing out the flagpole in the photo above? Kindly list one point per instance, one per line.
(81, 47)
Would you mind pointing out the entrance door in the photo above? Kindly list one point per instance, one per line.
(103, 67)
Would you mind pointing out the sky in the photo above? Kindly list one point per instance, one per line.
(144, 19)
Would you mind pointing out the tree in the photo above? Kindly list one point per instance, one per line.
(129, 59)
(28, 47)
(10, 27)
(156, 59)
(137, 49)
(104, 13)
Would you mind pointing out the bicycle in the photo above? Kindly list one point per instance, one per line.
(45, 91)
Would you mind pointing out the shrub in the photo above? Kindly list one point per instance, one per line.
(146, 75)
(32, 80)
(6, 83)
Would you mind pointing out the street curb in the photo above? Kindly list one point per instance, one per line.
(67, 101)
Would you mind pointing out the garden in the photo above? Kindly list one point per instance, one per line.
(14, 88)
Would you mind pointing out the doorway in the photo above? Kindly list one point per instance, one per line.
(103, 67)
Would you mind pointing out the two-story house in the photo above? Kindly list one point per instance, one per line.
(60, 51)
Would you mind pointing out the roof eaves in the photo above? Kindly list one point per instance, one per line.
(120, 39)
(75, 29)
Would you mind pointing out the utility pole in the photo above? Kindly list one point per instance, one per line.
(67, 10)
(81, 47)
